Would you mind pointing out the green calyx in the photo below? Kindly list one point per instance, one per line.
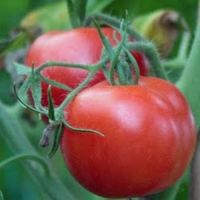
(117, 63)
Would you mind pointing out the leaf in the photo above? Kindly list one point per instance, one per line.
(24, 88)
(56, 140)
(36, 90)
(104, 39)
(22, 69)
(51, 114)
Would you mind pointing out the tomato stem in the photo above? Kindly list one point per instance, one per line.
(62, 64)
(117, 55)
(82, 130)
(59, 111)
(115, 61)
(55, 83)
(24, 104)
(113, 22)
(150, 51)
(104, 40)
(134, 65)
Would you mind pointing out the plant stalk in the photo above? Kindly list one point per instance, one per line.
(189, 83)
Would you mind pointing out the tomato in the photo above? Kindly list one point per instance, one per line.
(149, 138)
(80, 46)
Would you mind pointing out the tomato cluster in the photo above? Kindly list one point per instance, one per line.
(80, 46)
(148, 129)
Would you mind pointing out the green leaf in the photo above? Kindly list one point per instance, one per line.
(51, 114)
(22, 69)
(104, 39)
(22, 92)
(36, 90)
(56, 140)
(23, 102)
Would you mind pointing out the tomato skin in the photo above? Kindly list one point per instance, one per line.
(149, 138)
(82, 46)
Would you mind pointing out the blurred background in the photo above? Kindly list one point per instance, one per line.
(15, 181)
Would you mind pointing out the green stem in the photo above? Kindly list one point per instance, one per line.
(55, 83)
(26, 157)
(175, 63)
(149, 49)
(82, 130)
(12, 134)
(115, 60)
(113, 22)
(135, 66)
(74, 92)
(183, 49)
(25, 105)
(104, 40)
(62, 64)
(189, 82)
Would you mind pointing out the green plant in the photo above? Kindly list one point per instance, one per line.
(117, 57)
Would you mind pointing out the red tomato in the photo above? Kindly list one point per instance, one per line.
(149, 138)
(81, 46)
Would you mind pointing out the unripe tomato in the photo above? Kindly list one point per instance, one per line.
(80, 46)
(149, 138)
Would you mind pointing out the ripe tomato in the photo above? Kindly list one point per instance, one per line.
(149, 138)
(81, 46)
